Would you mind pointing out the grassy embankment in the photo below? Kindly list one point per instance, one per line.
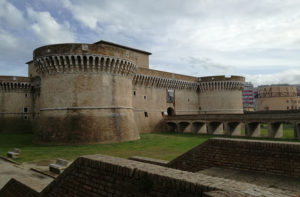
(161, 146)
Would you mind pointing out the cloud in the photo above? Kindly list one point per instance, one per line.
(10, 16)
(8, 42)
(290, 76)
(47, 29)
(257, 38)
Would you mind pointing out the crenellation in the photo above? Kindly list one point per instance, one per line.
(89, 64)
(147, 80)
(15, 86)
(221, 85)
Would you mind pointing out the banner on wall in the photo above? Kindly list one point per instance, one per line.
(170, 95)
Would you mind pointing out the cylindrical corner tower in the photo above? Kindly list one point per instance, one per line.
(221, 94)
(85, 95)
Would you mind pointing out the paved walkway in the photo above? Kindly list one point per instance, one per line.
(22, 173)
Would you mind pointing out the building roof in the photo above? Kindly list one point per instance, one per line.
(122, 46)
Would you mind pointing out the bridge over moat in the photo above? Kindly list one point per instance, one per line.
(231, 124)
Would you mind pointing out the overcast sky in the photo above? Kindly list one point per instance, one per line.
(258, 39)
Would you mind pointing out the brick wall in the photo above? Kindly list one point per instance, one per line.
(100, 175)
(281, 158)
(15, 188)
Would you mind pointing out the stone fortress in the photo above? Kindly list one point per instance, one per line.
(105, 92)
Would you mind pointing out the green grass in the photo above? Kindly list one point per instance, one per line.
(160, 146)
(288, 131)
(164, 146)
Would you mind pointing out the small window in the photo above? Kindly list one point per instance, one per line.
(287, 107)
(25, 109)
(25, 117)
(26, 95)
(162, 113)
(146, 114)
(145, 97)
(134, 92)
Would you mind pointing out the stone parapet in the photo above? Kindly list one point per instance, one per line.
(220, 85)
(160, 82)
(163, 74)
(8, 83)
(84, 63)
(221, 78)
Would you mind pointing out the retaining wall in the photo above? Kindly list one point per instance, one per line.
(282, 158)
(99, 175)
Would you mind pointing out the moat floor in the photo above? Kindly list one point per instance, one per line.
(22, 173)
(288, 185)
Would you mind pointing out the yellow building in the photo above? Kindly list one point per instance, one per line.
(277, 97)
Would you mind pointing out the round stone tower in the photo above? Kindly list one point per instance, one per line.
(221, 94)
(85, 94)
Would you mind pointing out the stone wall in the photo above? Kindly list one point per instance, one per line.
(17, 124)
(282, 158)
(16, 114)
(150, 105)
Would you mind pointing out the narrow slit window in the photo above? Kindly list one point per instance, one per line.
(25, 110)
(146, 114)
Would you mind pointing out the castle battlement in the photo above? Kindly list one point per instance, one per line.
(160, 82)
(89, 63)
(220, 85)
(8, 83)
